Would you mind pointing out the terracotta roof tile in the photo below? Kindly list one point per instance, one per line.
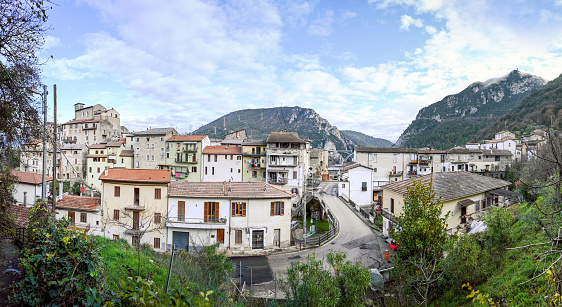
(126, 153)
(238, 190)
(186, 138)
(83, 203)
(31, 178)
(21, 214)
(97, 146)
(137, 175)
(223, 150)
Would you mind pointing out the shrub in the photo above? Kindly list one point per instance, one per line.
(498, 233)
(61, 266)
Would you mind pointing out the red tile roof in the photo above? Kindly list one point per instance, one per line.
(137, 175)
(247, 190)
(78, 121)
(126, 153)
(31, 178)
(83, 203)
(223, 150)
(21, 214)
(186, 138)
(97, 146)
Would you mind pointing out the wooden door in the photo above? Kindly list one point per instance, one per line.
(463, 215)
(220, 235)
(136, 218)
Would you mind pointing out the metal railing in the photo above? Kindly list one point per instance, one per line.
(192, 220)
(277, 180)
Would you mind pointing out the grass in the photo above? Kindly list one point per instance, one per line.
(321, 226)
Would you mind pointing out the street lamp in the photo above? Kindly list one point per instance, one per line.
(44, 176)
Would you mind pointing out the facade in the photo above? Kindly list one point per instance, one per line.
(463, 194)
(254, 161)
(360, 181)
(28, 187)
(73, 162)
(103, 156)
(287, 160)
(149, 147)
(235, 215)
(31, 157)
(222, 163)
(83, 212)
(134, 204)
(318, 162)
(91, 125)
(184, 156)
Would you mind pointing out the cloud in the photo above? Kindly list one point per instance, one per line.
(407, 21)
(51, 42)
(347, 15)
(322, 26)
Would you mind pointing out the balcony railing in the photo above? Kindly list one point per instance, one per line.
(194, 220)
(277, 180)
(395, 174)
(190, 149)
(186, 160)
(282, 164)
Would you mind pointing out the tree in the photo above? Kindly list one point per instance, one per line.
(422, 235)
(22, 24)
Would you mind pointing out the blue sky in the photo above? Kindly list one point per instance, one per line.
(364, 65)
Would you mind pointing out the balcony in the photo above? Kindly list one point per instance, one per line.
(190, 149)
(186, 160)
(413, 162)
(395, 174)
(277, 180)
(282, 164)
(424, 162)
(192, 222)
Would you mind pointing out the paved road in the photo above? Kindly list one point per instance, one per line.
(355, 238)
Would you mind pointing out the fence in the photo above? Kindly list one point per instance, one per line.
(257, 285)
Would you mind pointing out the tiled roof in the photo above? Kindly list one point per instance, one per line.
(247, 190)
(78, 121)
(451, 185)
(114, 144)
(186, 138)
(284, 138)
(153, 131)
(463, 150)
(97, 146)
(21, 214)
(31, 178)
(137, 175)
(232, 142)
(72, 147)
(223, 150)
(126, 153)
(83, 203)
(254, 143)
(355, 165)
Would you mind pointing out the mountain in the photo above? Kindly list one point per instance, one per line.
(543, 107)
(259, 122)
(457, 118)
(363, 140)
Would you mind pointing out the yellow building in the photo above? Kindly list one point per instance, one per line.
(254, 161)
(135, 205)
(104, 156)
(462, 194)
(183, 156)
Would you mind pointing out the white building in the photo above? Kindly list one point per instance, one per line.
(361, 184)
(222, 163)
(28, 187)
(237, 215)
(83, 212)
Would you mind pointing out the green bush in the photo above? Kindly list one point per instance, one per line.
(498, 233)
(61, 267)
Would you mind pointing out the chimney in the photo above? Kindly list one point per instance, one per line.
(106, 172)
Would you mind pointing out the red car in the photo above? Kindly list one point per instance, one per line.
(393, 245)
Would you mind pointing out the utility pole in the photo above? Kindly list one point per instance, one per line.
(44, 181)
(54, 150)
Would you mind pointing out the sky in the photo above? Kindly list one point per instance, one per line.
(364, 65)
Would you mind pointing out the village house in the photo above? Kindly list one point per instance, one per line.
(83, 212)
(222, 163)
(184, 156)
(103, 156)
(28, 187)
(73, 162)
(239, 216)
(358, 185)
(91, 125)
(134, 205)
(463, 194)
(149, 147)
(254, 161)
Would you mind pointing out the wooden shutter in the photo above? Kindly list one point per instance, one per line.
(83, 217)
(117, 191)
(233, 209)
(115, 214)
(392, 205)
(272, 208)
(216, 214)
(206, 212)
(282, 210)
(136, 220)
(157, 193)
(157, 243)
(157, 218)
(243, 209)
(181, 210)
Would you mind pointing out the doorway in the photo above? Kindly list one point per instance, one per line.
(257, 239)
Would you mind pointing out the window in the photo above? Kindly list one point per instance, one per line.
(238, 171)
(211, 212)
(364, 186)
(375, 169)
(394, 157)
(157, 193)
(238, 236)
(208, 158)
(90, 169)
(231, 169)
(117, 191)
(71, 217)
(147, 157)
(115, 237)
(295, 175)
(194, 169)
(215, 158)
(116, 214)
(374, 158)
(277, 208)
(136, 196)
(137, 150)
(392, 205)
(152, 157)
(238, 209)
(98, 169)
(181, 211)
(213, 170)
(254, 174)
(205, 170)
(156, 243)
(226, 157)
(152, 146)
(147, 145)
(238, 158)
(157, 218)
(83, 217)
(231, 156)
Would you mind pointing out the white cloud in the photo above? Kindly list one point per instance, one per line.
(322, 26)
(347, 15)
(51, 42)
(407, 21)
